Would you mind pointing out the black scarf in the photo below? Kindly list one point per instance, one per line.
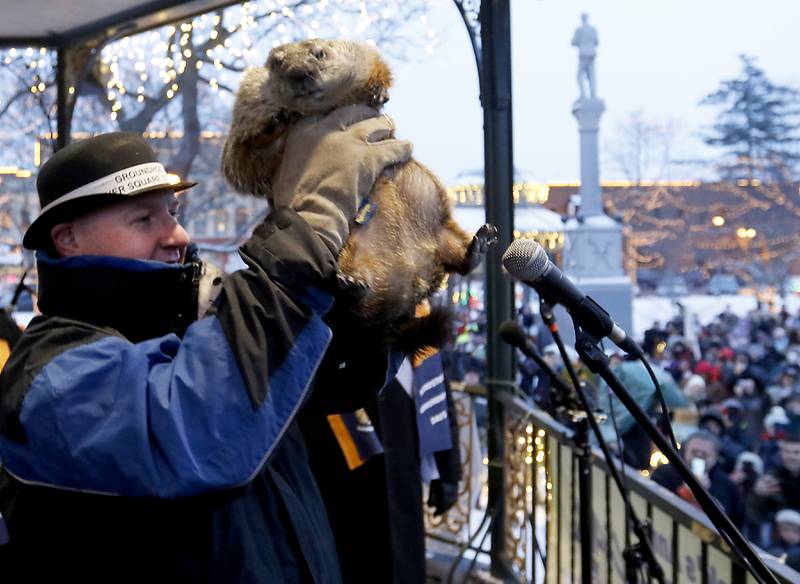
(139, 299)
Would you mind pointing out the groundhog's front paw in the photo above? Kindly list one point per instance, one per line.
(351, 286)
(484, 237)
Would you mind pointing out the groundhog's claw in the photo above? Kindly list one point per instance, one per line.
(484, 237)
(351, 286)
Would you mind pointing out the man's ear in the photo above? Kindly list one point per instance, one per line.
(63, 236)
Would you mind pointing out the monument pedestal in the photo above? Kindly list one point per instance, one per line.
(592, 255)
(592, 258)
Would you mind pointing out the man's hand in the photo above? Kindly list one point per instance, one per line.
(767, 486)
(330, 165)
(442, 495)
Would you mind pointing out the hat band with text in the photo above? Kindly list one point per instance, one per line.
(122, 182)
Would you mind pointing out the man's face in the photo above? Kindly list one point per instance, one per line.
(790, 455)
(142, 227)
(701, 448)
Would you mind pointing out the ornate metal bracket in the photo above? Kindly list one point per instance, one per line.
(470, 14)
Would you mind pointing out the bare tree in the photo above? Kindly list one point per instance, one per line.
(642, 147)
(178, 81)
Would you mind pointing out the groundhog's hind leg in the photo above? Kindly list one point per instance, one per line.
(461, 254)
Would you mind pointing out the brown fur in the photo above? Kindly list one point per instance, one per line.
(408, 246)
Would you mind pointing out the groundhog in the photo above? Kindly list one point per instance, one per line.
(403, 245)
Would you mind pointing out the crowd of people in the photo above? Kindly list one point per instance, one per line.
(734, 390)
(741, 378)
(733, 387)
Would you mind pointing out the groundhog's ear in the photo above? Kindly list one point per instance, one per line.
(273, 129)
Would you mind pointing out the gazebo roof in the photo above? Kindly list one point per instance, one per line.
(526, 218)
(61, 22)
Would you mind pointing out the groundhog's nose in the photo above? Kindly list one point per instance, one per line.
(297, 74)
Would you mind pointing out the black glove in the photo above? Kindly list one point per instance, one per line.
(442, 495)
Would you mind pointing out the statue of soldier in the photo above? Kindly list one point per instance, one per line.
(585, 38)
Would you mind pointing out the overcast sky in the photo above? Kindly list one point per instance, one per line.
(658, 57)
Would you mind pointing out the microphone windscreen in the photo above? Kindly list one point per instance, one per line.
(511, 332)
(525, 260)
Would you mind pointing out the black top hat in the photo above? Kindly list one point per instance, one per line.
(88, 174)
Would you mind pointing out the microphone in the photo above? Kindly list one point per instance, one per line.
(511, 332)
(526, 261)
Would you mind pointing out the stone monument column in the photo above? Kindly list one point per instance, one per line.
(588, 112)
(592, 254)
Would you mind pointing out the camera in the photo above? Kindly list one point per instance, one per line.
(750, 473)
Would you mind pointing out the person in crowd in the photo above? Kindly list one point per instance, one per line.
(653, 337)
(785, 384)
(774, 423)
(726, 356)
(791, 405)
(739, 420)
(786, 537)
(709, 366)
(747, 415)
(700, 451)
(775, 345)
(777, 488)
(371, 464)
(739, 366)
(713, 421)
(694, 388)
(746, 471)
(147, 417)
(682, 361)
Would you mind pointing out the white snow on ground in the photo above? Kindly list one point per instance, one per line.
(648, 309)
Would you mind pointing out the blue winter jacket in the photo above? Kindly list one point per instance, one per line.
(140, 443)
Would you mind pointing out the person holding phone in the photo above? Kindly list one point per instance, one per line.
(701, 453)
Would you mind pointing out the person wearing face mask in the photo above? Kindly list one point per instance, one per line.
(747, 415)
(148, 425)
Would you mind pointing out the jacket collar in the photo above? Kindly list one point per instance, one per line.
(141, 299)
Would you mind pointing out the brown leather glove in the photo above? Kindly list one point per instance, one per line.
(331, 163)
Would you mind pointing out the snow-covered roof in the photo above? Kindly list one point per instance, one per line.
(470, 218)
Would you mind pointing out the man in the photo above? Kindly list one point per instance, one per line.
(700, 451)
(370, 466)
(777, 488)
(713, 421)
(141, 443)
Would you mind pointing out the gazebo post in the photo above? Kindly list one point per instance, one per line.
(490, 35)
(63, 112)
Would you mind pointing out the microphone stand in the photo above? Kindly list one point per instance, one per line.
(18, 290)
(595, 359)
(635, 555)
